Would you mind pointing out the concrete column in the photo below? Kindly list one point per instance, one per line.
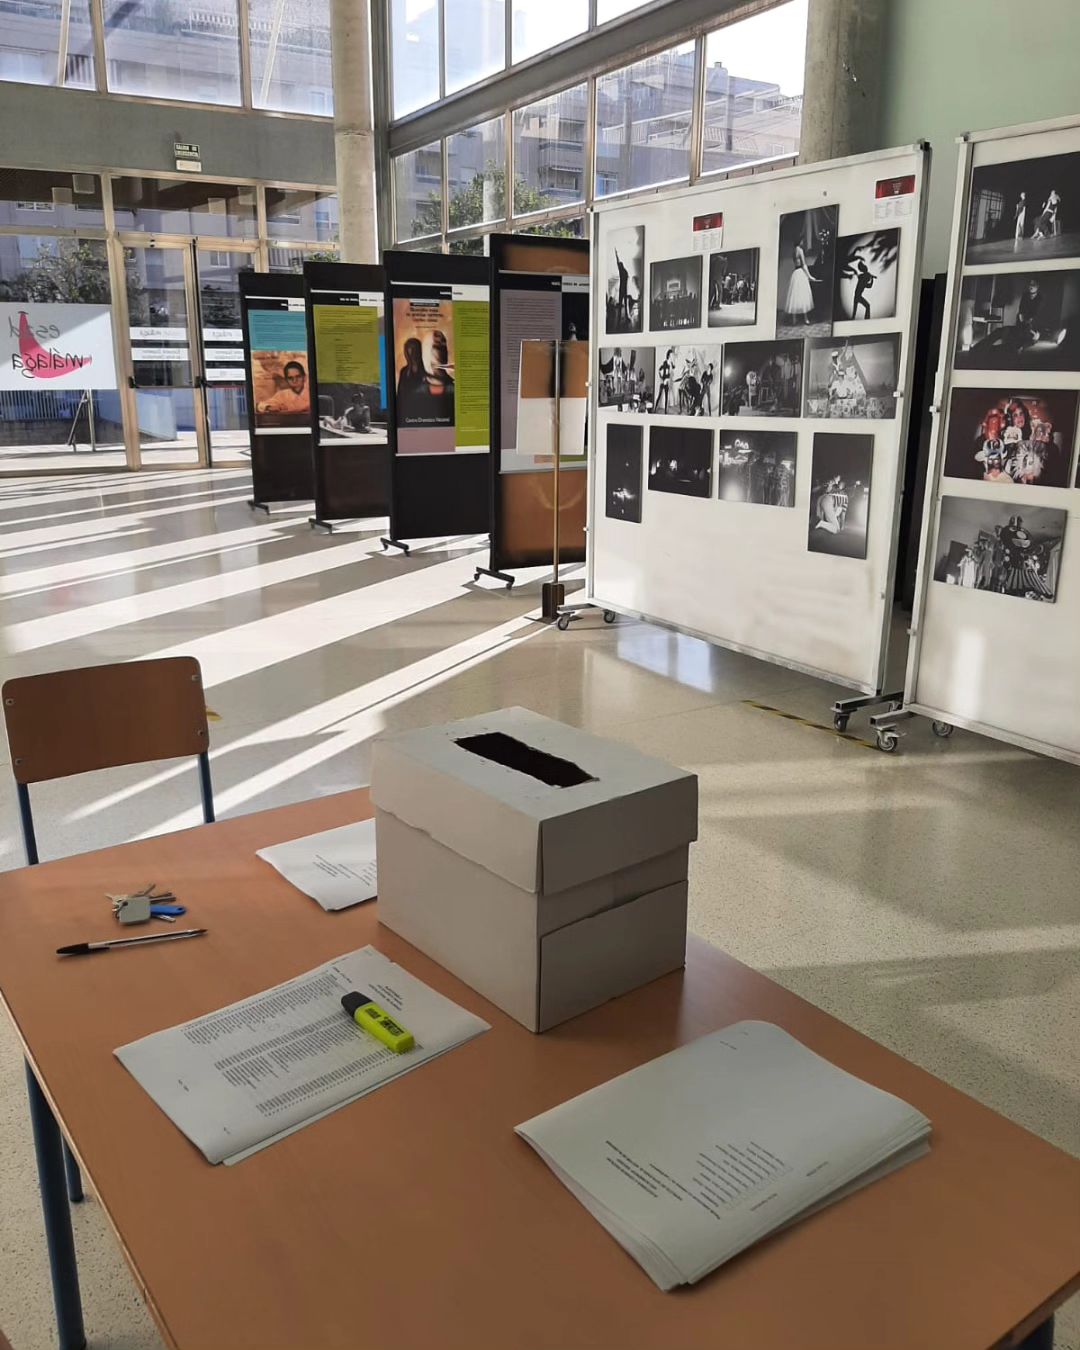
(842, 87)
(354, 137)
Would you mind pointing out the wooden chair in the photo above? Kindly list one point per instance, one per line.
(100, 717)
(68, 722)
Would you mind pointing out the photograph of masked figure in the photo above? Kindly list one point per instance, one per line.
(1011, 436)
(840, 494)
(1004, 547)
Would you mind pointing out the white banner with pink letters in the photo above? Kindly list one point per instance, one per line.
(45, 346)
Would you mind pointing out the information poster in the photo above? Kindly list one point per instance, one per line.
(281, 391)
(349, 350)
(531, 307)
(441, 351)
(56, 346)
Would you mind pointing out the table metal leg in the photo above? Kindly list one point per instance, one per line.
(48, 1145)
(74, 1176)
(1042, 1338)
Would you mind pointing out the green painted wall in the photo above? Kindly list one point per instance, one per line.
(952, 66)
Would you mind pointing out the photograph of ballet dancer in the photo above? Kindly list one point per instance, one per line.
(804, 281)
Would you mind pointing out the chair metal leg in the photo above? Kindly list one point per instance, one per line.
(206, 788)
(1042, 1338)
(54, 1205)
(74, 1176)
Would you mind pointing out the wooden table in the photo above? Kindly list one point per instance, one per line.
(416, 1218)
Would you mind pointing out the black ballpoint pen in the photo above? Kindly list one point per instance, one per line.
(84, 948)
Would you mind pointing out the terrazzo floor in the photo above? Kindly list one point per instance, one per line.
(928, 898)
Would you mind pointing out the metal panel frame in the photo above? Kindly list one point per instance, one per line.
(922, 152)
(942, 388)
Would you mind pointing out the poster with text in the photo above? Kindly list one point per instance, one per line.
(281, 390)
(349, 358)
(56, 346)
(537, 402)
(441, 347)
(533, 307)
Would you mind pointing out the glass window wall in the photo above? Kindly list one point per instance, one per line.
(418, 192)
(644, 114)
(174, 49)
(301, 213)
(476, 174)
(541, 24)
(290, 56)
(414, 54)
(35, 49)
(753, 88)
(31, 198)
(550, 151)
(185, 206)
(475, 41)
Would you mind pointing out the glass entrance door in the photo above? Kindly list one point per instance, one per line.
(218, 274)
(165, 360)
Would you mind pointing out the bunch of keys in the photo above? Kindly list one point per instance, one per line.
(143, 905)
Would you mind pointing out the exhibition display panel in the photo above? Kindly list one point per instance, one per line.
(996, 628)
(540, 292)
(278, 375)
(752, 357)
(438, 394)
(347, 345)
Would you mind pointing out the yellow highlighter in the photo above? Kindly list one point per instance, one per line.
(366, 1013)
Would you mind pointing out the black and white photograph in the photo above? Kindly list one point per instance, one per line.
(675, 294)
(1025, 210)
(733, 283)
(1019, 321)
(840, 494)
(1011, 436)
(763, 379)
(687, 381)
(627, 378)
(680, 460)
(804, 280)
(1006, 547)
(624, 297)
(624, 472)
(866, 268)
(853, 377)
(757, 467)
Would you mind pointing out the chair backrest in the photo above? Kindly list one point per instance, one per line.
(99, 717)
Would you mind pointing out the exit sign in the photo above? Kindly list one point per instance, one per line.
(188, 156)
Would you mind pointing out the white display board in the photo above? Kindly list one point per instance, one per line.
(991, 650)
(723, 560)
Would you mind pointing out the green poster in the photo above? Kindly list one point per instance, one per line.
(473, 374)
(347, 344)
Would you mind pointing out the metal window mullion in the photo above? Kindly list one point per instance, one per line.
(508, 34)
(444, 147)
(262, 232)
(510, 169)
(592, 93)
(97, 30)
(244, 17)
(697, 110)
(442, 49)
(593, 7)
(382, 114)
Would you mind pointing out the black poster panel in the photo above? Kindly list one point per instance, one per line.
(346, 342)
(539, 290)
(278, 387)
(438, 376)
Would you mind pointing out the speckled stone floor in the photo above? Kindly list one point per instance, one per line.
(928, 898)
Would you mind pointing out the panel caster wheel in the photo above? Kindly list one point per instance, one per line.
(943, 730)
(897, 706)
(476, 575)
(840, 721)
(609, 616)
(562, 623)
(888, 741)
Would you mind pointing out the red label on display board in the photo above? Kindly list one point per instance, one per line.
(895, 187)
(713, 221)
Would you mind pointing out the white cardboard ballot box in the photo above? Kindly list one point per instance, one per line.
(543, 866)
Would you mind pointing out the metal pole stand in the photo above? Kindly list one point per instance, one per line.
(553, 592)
(387, 542)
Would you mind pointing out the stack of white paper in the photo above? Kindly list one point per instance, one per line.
(239, 1079)
(693, 1157)
(335, 867)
